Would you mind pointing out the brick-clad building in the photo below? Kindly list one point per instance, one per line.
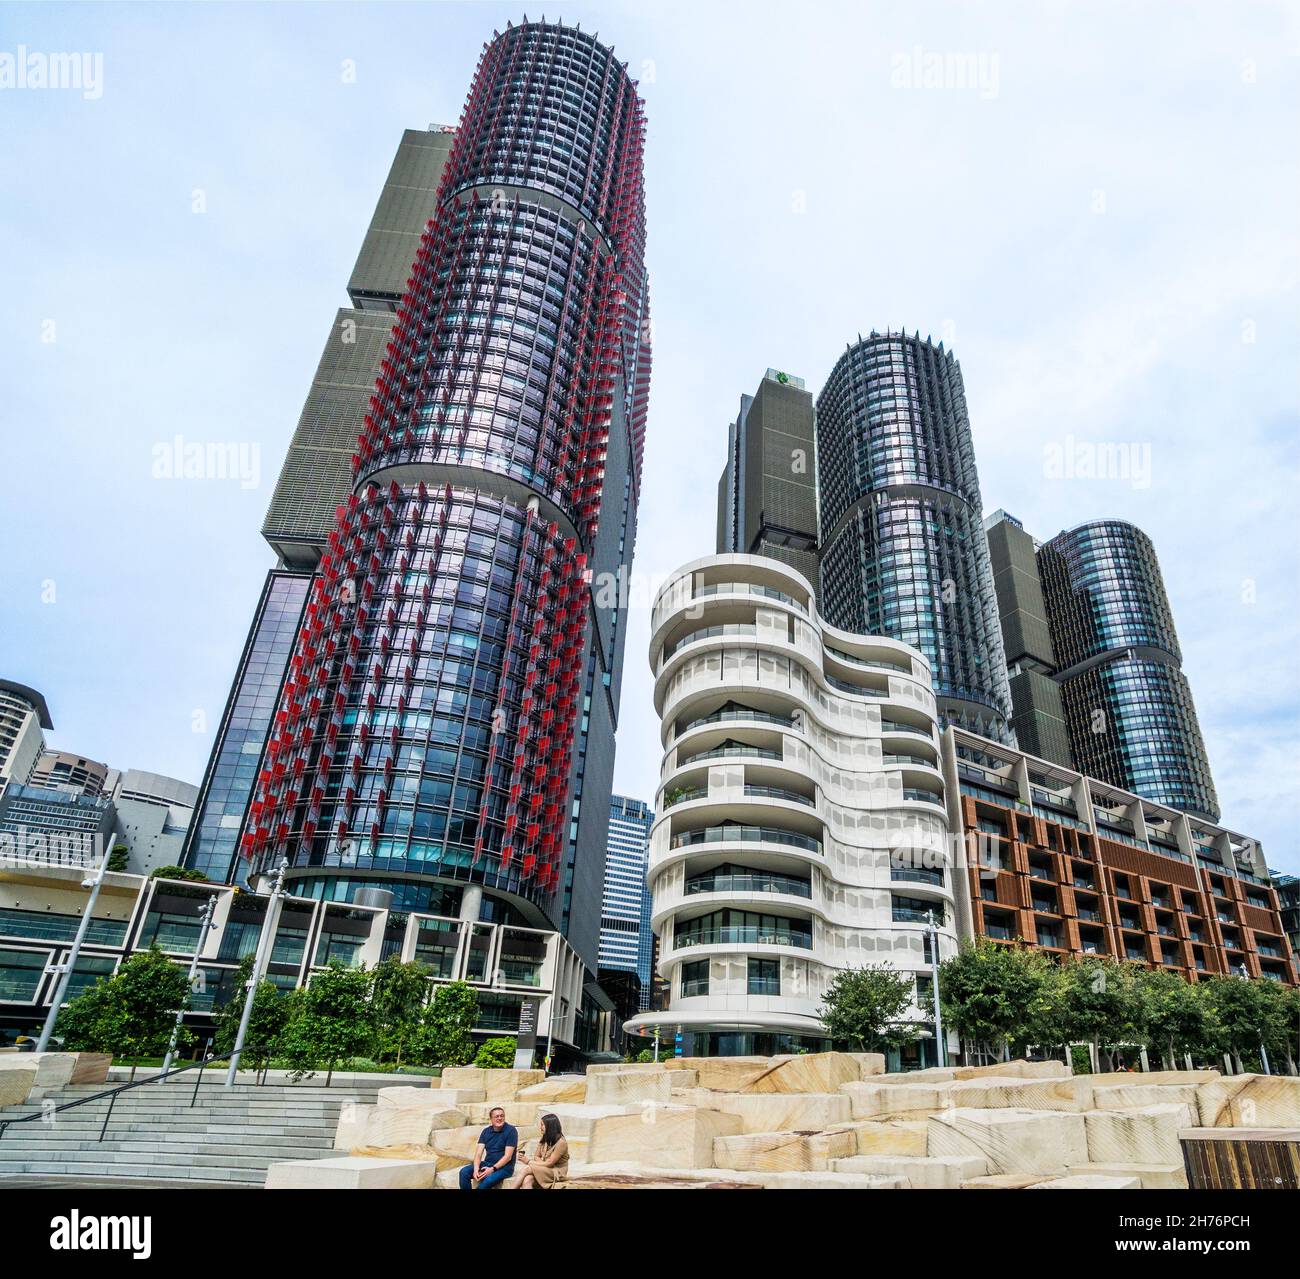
(1074, 866)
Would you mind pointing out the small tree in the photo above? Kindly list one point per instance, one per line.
(443, 1037)
(266, 1022)
(1175, 1015)
(118, 858)
(865, 1008)
(329, 1021)
(132, 1013)
(990, 993)
(398, 994)
(496, 1054)
(1103, 1003)
(179, 872)
(1247, 1014)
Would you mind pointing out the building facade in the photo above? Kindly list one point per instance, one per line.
(68, 771)
(446, 724)
(1073, 865)
(801, 826)
(42, 901)
(23, 717)
(152, 818)
(626, 938)
(903, 552)
(767, 493)
(1128, 705)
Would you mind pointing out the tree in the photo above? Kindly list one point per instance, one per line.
(866, 1008)
(990, 993)
(1103, 1005)
(329, 1021)
(118, 858)
(443, 1037)
(1247, 1014)
(398, 993)
(179, 872)
(1175, 1016)
(266, 1023)
(132, 1013)
(496, 1054)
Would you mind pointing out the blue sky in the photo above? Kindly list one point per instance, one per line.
(1101, 224)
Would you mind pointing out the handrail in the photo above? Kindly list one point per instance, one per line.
(121, 1088)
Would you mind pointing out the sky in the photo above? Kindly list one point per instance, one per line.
(1092, 204)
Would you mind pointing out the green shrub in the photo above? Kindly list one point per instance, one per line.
(496, 1054)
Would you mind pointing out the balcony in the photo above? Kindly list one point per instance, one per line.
(743, 936)
(733, 750)
(1089, 916)
(746, 834)
(916, 875)
(684, 794)
(918, 760)
(747, 588)
(778, 792)
(852, 660)
(748, 882)
(710, 632)
(923, 796)
(738, 715)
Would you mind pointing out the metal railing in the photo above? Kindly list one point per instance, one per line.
(113, 1093)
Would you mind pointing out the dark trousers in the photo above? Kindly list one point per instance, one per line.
(467, 1181)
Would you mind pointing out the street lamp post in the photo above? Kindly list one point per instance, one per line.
(259, 965)
(205, 924)
(932, 930)
(65, 972)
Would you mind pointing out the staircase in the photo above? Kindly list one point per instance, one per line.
(229, 1137)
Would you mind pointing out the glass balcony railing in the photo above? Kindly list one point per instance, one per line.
(738, 715)
(710, 632)
(743, 936)
(733, 752)
(853, 660)
(746, 834)
(749, 883)
(747, 588)
(909, 759)
(777, 792)
(924, 796)
(684, 795)
(916, 875)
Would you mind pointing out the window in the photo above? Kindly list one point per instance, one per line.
(764, 976)
(695, 978)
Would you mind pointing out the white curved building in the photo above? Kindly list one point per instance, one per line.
(800, 823)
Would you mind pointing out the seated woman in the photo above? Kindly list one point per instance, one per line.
(549, 1163)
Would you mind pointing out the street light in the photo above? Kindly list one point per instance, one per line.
(932, 931)
(205, 923)
(65, 972)
(259, 963)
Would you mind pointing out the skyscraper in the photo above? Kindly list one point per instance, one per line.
(452, 694)
(903, 552)
(1128, 705)
(23, 714)
(626, 938)
(314, 480)
(767, 493)
(1038, 716)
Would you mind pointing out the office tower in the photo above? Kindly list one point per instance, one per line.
(903, 551)
(801, 825)
(447, 720)
(68, 771)
(23, 716)
(41, 823)
(1074, 865)
(314, 480)
(767, 493)
(626, 937)
(1038, 716)
(1128, 706)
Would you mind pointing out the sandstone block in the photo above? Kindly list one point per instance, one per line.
(994, 1093)
(1139, 1096)
(426, 1098)
(1148, 1136)
(48, 1071)
(16, 1084)
(1004, 1181)
(1149, 1176)
(876, 1100)
(1018, 1069)
(1087, 1181)
(627, 1087)
(774, 1112)
(783, 1151)
(888, 1137)
(722, 1073)
(459, 1142)
(456, 1096)
(869, 1064)
(1250, 1101)
(556, 1088)
(494, 1084)
(351, 1172)
(402, 1125)
(1018, 1141)
(523, 1114)
(661, 1137)
(1151, 1078)
(942, 1172)
(91, 1068)
(805, 1073)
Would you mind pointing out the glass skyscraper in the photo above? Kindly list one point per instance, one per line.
(448, 713)
(626, 938)
(903, 551)
(1128, 705)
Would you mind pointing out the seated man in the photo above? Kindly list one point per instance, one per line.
(494, 1156)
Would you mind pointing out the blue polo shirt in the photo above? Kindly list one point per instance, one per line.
(495, 1143)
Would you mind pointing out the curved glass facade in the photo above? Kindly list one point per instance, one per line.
(903, 546)
(433, 720)
(1128, 705)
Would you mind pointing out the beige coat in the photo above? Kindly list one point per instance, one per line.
(547, 1165)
